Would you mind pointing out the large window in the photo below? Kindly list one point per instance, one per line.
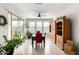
(46, 27)
(17, 26)
(42, 26)
(39, 26)
(32, 27)
(14, 23)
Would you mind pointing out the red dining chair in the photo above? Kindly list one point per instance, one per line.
(38, 38)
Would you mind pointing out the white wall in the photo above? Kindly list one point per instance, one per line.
(73, 13)
(6, 30)
(3, 29)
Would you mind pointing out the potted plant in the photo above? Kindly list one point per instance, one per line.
(11, 44)
(9, 48)
(29, 34)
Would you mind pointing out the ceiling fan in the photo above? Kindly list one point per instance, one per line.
(39, 14)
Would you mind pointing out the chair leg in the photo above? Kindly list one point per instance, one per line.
(41, 45)
(36, 45)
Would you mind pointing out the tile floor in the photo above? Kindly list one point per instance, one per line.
(50, 49)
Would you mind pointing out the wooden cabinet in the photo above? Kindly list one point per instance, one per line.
(60, 31)
(53, 31)
(59, 41)
(63, 31)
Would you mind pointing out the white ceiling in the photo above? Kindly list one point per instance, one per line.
(49, 9)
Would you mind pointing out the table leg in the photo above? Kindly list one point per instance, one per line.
(32, 43)
(44, 43)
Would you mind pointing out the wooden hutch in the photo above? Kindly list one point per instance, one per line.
(61, 31)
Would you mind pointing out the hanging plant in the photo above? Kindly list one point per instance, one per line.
(3, 20)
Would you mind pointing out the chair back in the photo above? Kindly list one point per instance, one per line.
(38, 37)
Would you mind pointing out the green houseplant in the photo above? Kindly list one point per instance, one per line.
(11, 44)
(9, 48)
(29, 34)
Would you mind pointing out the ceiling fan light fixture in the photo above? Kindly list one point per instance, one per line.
(39, 15)
(38, 3)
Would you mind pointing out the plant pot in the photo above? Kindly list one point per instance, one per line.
(11, 52)
(28, 37)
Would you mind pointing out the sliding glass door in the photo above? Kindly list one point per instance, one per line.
(17, 26)
(39, 26)
(32, 27)
(42, 26)
(46, 27)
